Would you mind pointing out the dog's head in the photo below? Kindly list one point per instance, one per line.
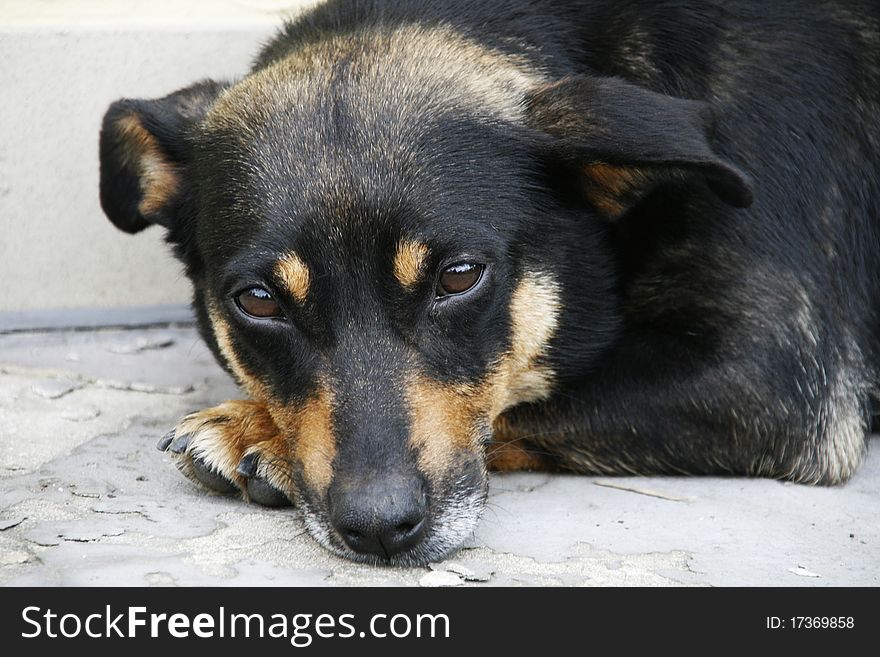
(393, 238)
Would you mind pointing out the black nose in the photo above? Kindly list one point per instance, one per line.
(383, 517)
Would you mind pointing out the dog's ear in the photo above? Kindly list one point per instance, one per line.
(144, 155)
(624, 141)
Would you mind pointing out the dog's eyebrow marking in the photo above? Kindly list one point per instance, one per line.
(294, 274)
(409, 262)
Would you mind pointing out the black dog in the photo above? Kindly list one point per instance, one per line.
(431, 237)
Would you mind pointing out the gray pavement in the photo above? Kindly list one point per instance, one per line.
(86, 499)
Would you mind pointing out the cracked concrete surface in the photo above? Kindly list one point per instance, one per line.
(86, 499)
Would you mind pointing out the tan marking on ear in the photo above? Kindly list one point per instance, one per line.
(158, 179)
(519, 375)
(409, 262)
(310, 427)
(251, 384)
(294, 275)
(443, 422)
(612, 188)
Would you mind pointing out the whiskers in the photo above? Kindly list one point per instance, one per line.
(503, 448)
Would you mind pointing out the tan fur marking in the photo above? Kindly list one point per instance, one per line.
(313, 443)
(447, 418)
(510, 453)
(222, 435)
(159, 180)
(294, 275)
(251, 384)
(444, 420)
(424, 60)
(608, 187)
(409, 261)
(519, 376)
(437, 72)
(503, 457)
(308, 427)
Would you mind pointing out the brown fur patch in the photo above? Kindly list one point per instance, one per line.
(425, 60)
(294, 274)
(511, 453)
(307, 428)
(251, 384)
(313, 443)
(158, 178)
(409, 262)
(224, 434)
(447, 418)
(612, 189)
(509, 457)
(443, 420)
(437, 72)
(519, 375)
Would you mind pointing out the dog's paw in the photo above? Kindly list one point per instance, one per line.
(233, 448)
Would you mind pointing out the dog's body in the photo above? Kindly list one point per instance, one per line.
(591, 236)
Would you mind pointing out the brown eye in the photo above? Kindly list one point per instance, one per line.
(459, 278)
(257, 302)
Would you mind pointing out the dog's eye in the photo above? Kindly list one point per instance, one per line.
(257, 302)
(459, 278)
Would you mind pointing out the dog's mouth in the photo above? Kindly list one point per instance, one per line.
(449, 522)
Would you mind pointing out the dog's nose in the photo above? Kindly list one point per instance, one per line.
(383, 517)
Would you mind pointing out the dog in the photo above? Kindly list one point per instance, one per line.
(429, 239)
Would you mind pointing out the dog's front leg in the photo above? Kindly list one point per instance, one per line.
(699, 420)
(234, 447)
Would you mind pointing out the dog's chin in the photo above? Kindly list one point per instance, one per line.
(448, 530)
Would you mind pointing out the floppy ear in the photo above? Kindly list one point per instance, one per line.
(625, 141)
(143, 154)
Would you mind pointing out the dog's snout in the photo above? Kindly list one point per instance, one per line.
(383, 517)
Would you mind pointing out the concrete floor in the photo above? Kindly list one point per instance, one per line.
(86, 499)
